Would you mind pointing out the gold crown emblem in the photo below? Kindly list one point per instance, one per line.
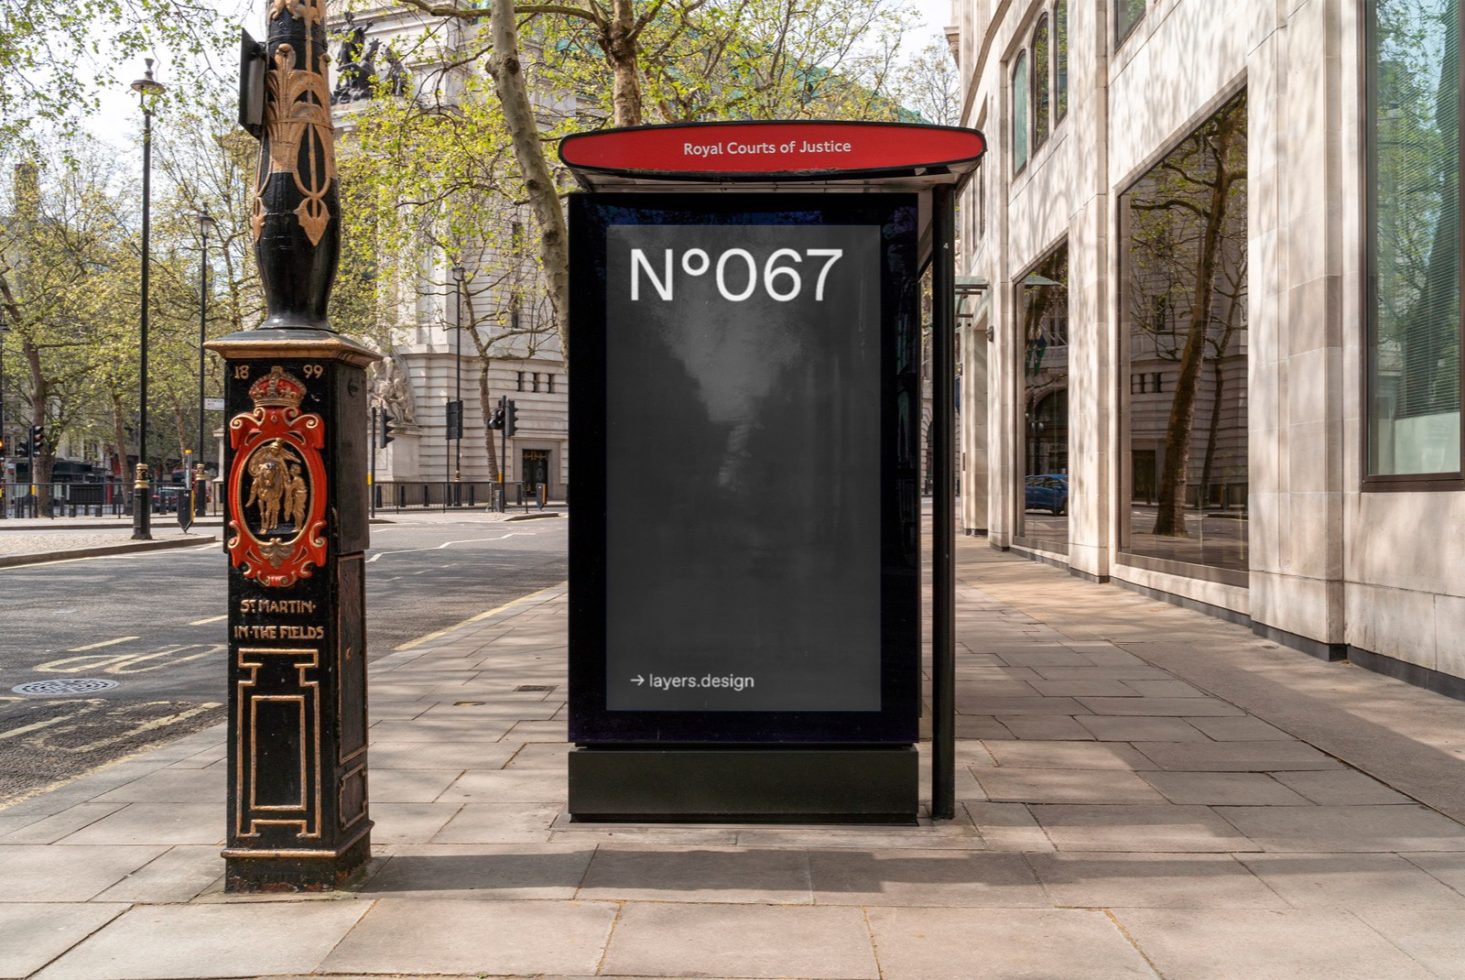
(278, 389)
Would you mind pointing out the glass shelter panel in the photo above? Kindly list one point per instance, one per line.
(1414, 350)
(1183, 335)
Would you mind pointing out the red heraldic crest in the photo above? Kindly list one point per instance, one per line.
(277, 484)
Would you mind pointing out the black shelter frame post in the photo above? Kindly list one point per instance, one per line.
(607, 160)
(943, 505)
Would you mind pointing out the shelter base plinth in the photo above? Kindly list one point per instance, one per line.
(745, 784)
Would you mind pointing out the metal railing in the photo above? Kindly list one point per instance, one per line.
(112, 498)
(396, 496)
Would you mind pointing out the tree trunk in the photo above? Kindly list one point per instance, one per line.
(44, 461)
(1213, 435)
(1171, 517)
(507, 71)
(119, 436)
(485, 404)
(624, 59)
(180, 423)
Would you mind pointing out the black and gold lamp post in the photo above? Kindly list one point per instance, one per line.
(295, 501)
(457, 429)
(148, 90)
(206, 224)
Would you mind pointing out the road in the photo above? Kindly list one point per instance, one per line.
(154, 623)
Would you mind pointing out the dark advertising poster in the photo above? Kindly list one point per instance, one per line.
(751, 376)
(761, 404)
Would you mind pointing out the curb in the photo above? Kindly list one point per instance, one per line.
(62, 524)
(16, 561)
(531, 517)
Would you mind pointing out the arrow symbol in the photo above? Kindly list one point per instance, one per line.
(638, 680)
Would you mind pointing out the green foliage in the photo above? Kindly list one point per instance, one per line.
(57, 57)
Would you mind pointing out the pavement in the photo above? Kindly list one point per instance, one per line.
(29, 541)
(1145, 791)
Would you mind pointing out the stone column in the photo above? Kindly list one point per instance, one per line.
(295, 507)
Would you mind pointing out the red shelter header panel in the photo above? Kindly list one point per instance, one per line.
(764, 149)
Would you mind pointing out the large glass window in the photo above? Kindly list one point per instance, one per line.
(1183, 335)
(1043, 314)
(1020, 112)
(1127, 13)
(1041, 53)
(1060, 60)
(1414, 376)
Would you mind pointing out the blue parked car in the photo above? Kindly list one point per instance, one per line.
(1048, 491)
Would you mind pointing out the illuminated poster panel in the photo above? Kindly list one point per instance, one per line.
(744, 409)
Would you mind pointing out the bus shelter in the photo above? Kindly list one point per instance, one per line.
(746, 358)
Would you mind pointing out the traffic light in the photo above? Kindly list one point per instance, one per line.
(511, 417)
(2, 445)
(496, 420)
(38, 440)
(386, 433)
(455, 419)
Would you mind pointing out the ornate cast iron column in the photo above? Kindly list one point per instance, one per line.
(295, 506)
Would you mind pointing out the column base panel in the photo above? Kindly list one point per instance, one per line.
(296, 869)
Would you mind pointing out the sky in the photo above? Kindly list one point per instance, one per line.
(120, 122)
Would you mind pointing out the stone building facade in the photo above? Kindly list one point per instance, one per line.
(502, 299)
(1246, 215)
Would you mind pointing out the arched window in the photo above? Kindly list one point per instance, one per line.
(1060, 60)
(1020, 112)
(1041, 53)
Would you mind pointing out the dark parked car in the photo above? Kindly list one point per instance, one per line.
(166, 498)
(1048, 491)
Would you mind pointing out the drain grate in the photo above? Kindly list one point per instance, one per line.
(59, 688)
(535, 687)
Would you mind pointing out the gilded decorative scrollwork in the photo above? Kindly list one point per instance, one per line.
(298, 118)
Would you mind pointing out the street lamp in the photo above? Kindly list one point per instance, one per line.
(458, 370)
(206, 224)
(148, 89)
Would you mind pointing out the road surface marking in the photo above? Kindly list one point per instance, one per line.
(211, 619)
(445, 544)
(103, 643)
(35, 726)
(146, 726)
(126, 663)
(474, 619)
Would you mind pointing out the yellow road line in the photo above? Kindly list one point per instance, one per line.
(146, 726)
(474, 619)
(103, 643)
(35, 726)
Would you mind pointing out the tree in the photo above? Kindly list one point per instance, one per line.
(61, 255)
(56, 57)
(669, 60)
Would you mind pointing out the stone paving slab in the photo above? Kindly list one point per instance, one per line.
(1117, 815)
(449, 935)
(1265, 945)
(32, 935)
(194, 941)
(742, 941)
(1152, 880)
(954, 944)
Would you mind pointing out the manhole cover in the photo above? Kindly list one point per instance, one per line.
(57, 688)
